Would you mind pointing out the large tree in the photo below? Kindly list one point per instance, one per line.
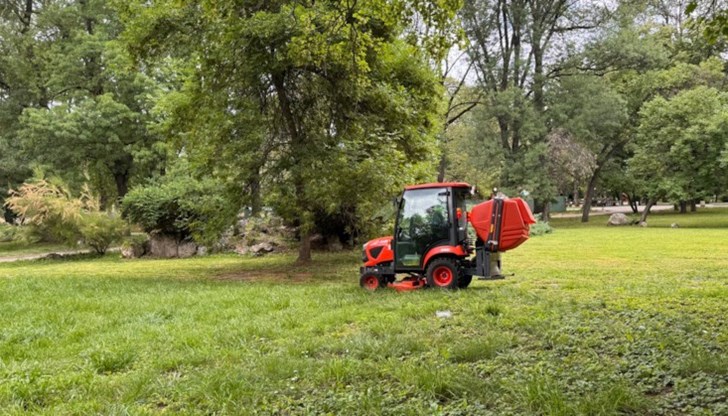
(329, 106)
(70, 101)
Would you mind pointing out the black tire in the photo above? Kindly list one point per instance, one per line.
(443, 273)
(371, 282)
(464, 281)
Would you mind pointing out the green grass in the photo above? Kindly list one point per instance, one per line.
(597, 321)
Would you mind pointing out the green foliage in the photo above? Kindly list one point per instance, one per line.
(680, 141)
(7, 232)
(540, 228)
(48, 210)
(181, 206)
(49, 213)
(99, 230)
(325, 117)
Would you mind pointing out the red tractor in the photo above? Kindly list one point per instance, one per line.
(431, 244)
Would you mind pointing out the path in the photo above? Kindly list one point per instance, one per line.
(38, 256)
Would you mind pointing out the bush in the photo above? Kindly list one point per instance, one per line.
(540, 228)
(50, 213)
(99, 230)
(8, 233)
(180, 206)
(48, 210)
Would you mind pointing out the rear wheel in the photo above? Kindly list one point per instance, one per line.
(464, 281)
(443, 273)
(370, 281)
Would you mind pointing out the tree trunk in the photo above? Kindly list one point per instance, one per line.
(683, 207)
(546, 213)
(576, 193)
(441, 168)
(693, 205)
(122, 184)
(589, 195)
(298, 142)
(632, 203)
(304, 249)
(648, 207)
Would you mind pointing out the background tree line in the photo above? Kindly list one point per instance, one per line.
(322, 111)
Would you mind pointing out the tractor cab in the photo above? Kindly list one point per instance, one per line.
(429, 216)
(430, 242)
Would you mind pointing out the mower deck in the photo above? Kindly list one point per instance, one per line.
(408, 284)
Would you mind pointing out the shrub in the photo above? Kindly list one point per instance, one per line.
(540, 228)
(180, 206)
(50, 213)
(7, 232)
(99, 230)
(48, 210)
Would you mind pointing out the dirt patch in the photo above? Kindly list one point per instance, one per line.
(277, 276)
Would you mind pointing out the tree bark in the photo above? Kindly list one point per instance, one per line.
(648, 207)
(683, 207)
(441, 168)
(122, 184)
(298, 142)
(693, 205)
(546, 213)
(589, 194)
(632, 203)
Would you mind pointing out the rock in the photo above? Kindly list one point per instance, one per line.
(618, 219)
(674, 225)
(643, 224)
(262, 248)
(132, 252)
(163, 246)
(242, 250)
(318, 242)
(333, 243)
(186, 249)
(167, 247)
(201, 251)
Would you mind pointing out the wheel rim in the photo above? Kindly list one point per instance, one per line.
(442, 276)
(371, 282)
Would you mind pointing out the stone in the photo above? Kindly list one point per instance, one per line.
(186, 249)
(318, 242)
(618, 219)
(201, 251)
(167, 247)
(674, 225)
(334, 244)
(163, 246)
(643, 224)
(262, 248)
(133, 251)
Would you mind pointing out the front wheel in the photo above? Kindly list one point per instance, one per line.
(371, 282)
(443, 273)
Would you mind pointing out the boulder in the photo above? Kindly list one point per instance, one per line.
(643, 224)
(167, 247)
(318, 242)
(334, 243)
(132, 252)
(202, 251)
(674, 225)
(262, 248)
(618, 219)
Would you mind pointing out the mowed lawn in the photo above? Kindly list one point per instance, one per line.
(596, 321)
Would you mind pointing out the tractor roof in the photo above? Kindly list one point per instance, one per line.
(438, 185)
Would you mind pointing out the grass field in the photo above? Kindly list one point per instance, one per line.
(597, 321)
